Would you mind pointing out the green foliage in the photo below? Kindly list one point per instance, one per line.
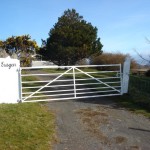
(19, 43)
(71, 39)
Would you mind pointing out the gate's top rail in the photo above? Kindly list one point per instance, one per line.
(78, 66)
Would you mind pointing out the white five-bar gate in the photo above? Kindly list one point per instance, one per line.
(49, 83)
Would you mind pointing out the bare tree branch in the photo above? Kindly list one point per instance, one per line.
(148, 41)
(142, 56)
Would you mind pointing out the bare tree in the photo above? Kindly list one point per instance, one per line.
(141, 56)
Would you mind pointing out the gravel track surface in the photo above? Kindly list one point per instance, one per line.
(98, 124)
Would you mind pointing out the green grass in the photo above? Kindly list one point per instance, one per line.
(141, 77)
(26, 126)
(135, 101)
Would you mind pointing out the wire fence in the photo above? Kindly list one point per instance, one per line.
(140, 83)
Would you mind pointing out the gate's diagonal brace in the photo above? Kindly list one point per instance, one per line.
(97, 79)
(47, 84)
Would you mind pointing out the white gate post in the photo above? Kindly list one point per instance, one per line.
(125, 76)
(9, 80)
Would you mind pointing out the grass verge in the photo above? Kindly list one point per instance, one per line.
(135, 101)
(26, 126)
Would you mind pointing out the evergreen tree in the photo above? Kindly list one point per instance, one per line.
(71, 39)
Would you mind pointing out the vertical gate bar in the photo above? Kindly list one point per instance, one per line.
(74, 82)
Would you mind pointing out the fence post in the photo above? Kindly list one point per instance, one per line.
(125, 75)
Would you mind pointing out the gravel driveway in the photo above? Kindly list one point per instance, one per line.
(98, 124)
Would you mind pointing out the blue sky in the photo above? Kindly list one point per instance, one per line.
(122, 25)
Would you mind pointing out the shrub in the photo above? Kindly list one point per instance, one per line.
(26, 62)
(25, 59)
(111, 58)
